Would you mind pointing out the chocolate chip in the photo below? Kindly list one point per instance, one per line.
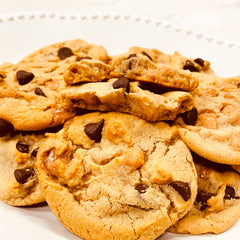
(182, 188)
(230, 193)
(190, 66)
(190, 117)
(22, 146)
(122, 82)
(141, 188)
(24, 77)
(64, 53)
(202, 196)
(94, 130)
(39, 91)
(34, 152)
(1, 76)
(22, 175)
(130, 64)
(5, 127)
(132, 55)
(199, 61)
(82, 58)
(144, 53)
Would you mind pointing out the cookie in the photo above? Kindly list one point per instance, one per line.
(19, 184)
(88, 70)
(176, 60)
(212, 128)
(143, 67)
(30, 96)
(34, 84)
(67, 52)
(145, 100)
(217, 206)
(116, 176)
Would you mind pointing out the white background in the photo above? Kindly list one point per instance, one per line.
(219, 18)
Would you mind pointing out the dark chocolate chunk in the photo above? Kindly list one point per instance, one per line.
(190, 117)
(202, 196)
(39, 91)
(22, 175)
(144, 53)
(1, 76)
(230, 193)
(5, 127)
(34, 152)
(94, 130)
(122, 82)
(132, 55)
(141, 188)
(130, 64)
(82, 58)
(64, 53)
(182, 188)
(199, 61)
(190, 66)
(22, 146)
(24, 77)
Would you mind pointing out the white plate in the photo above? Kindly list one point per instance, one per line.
(23, 33)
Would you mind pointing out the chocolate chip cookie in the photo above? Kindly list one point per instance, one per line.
(116, 176)
(217, 206)
(67, 52)
(144, 65)
(212, 128)
(30, 96)
(146, 100)
(176, 60)
(34, 84)
(18, 178)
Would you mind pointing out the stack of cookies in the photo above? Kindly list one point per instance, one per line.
(121, 147)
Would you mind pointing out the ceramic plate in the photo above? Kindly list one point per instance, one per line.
(25, 32)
